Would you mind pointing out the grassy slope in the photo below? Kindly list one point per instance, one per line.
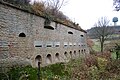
(96, 46)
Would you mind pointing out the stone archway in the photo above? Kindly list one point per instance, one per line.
(66, 55)
(79, 52)
(57, 57)
(38, 58)
(70, 54)
(75, 54)
(82, 51)
(48, 59)
(22, 35)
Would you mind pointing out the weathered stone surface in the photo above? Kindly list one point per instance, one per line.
(14, 22)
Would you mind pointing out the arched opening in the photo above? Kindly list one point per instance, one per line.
(57, 57)
(70, 54)
(47, 24)
(48, 59)
(70, 32)
(75, 53)
(22, 35)
(49, 27)
(38, 59)
(65, 54)
(82, 51)
(79, 52)
(82, 35)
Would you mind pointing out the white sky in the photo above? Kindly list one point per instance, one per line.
(87, 12)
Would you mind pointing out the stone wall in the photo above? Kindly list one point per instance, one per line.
(23, 34)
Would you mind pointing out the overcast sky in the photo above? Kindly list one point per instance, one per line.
(87, 12)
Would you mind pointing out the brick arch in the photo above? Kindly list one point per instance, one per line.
(48, 59)
(38, 58)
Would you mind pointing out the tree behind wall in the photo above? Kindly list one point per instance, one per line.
(102, 31)
(53, 8)
(116, 4)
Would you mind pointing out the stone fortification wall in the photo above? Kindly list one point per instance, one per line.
(24, 34)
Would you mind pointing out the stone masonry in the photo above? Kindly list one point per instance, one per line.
(24, 34)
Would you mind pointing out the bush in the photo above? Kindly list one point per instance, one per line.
(51, 72)
(113, 66)
(92, 68)
(16, 73)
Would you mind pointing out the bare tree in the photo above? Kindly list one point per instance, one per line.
(55, 5)
(116, 3)
(102, 31)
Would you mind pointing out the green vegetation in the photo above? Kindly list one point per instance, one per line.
(113, 55)
(96, 46)
(93, 67)
(51, 72)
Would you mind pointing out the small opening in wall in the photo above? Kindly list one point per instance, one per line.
(56, 45)
(81, 35)
(57, 56)
(82, 50)
(49, 59)
(22, 35)
(49, 27)
(38, 59)
(38, 45)
(70, 54)
(65, 54)
(65, 45)
(74, 53)
(49, 45)
(70, 32)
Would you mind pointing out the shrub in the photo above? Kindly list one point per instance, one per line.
(102, 62)
(113, 66)
(16, 72)
(91, 60)
(51, 72)
(38, 7)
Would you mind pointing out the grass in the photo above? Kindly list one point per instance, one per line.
(113, 55)
(96, 46)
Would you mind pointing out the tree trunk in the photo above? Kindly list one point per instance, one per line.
(102, 46)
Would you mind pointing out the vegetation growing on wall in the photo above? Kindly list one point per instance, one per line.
(39, 8)
(25, 2)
